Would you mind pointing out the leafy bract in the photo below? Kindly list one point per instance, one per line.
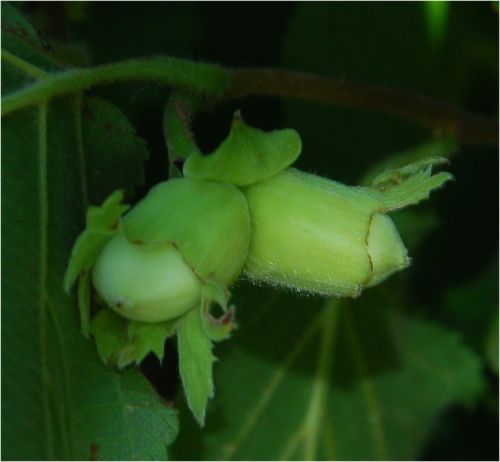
(246, 156)
(147, 337)
(398, 188)
(102, 222)
(413, 224)
(348, 381)
(217, 329)
(122, 342)
(439, 148)
(58, 400)
(195, 363)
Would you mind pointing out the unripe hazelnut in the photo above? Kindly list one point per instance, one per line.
(313, 234)
(144, 283)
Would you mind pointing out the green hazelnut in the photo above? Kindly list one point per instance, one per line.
(207, 221)
(152, 264)
(313, 234)
(144, 283)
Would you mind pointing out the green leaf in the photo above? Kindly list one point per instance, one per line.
(491, 346)
(246, 156)
(195, 363)
(59, 401)
(472, 307)
(20, 38)
(148, 425)
(111, 145)
(301, 382)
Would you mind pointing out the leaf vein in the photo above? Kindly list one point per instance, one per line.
(23, 65)
(252, 416)
(69, 441)
(80, 149)
(43, 217)
(317, 404)
(368, 387)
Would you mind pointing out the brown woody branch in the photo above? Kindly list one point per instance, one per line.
(442, 118)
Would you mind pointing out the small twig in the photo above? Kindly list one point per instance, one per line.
(442, 118)
(177, 115)
(199, 78)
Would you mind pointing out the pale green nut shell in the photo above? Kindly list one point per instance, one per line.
(313, 234)
(385, 249)
(144, 283)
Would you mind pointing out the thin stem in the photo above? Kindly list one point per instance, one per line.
(198, 77)
(441, 117)
(179, 138)
(202, 78)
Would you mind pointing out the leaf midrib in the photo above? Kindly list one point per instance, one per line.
(267, 394)
(368, 387)
(45, 303)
